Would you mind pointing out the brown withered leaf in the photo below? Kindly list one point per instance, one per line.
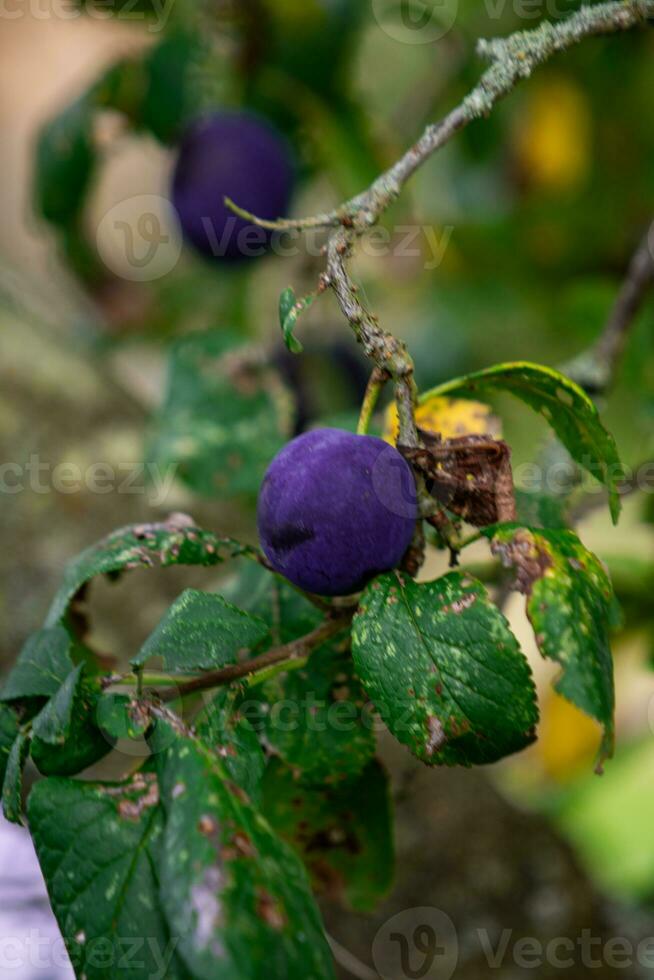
(469, 475)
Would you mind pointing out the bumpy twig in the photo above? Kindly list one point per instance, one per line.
(287, 653)
(512, 59)
(389, 354)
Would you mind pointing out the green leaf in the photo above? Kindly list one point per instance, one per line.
(8, 733)
(43, 665)
(290, 309)
(99, 849)
(201, 631)
(286, 303)
(563, 404)
(223, 419)
(120, 716)
(570, 606)
(314, 715)
(443, 669)
(287, 613)
(53, 723)
(65, 161)
(73, 739)
(228, 733)
(12, 788)
(176, 541)
(168, 100)
(237, 896)
(316, 718)
(343, 834)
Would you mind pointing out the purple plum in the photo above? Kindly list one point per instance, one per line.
(234, 155)
(336, 509)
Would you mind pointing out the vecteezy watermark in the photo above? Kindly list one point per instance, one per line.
(39, 953)
(156, 17)
(422, 944)
(564, 952)
(416, 21)
(529, 9)
(311, 714)
(42, 477)
(393, 487)
(416, 944)
(139, 239)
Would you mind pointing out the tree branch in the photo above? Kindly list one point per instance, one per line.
(389, 354)
(288, 652)
(596, 368)
(512, 59)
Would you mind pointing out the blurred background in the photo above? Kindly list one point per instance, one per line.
(510, 244)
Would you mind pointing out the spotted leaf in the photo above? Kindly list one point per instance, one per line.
(570, 605)
(100, 865)
(343, 834)
(43, 665)
(200, 631)
(235, 894)
(563, 404)
(176, 541)
(444, 670)
(224, 417)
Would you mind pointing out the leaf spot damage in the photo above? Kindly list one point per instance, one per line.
(207, 908)
(522, 552)
(437, 738)
(269, 910)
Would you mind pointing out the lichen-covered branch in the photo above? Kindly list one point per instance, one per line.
(512, 59)
(389, 354)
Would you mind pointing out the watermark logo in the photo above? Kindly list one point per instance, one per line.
(416, 944)
(138, 238)
(156, 17)
(41, 476)
(416, 21)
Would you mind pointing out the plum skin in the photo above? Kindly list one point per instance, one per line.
(236, 155)
(335, 509)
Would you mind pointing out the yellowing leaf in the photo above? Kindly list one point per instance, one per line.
(449, 417)
(553, 141)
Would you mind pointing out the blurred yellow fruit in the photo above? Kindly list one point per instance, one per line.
(552, 143)
(567, 742)
(449, 417)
